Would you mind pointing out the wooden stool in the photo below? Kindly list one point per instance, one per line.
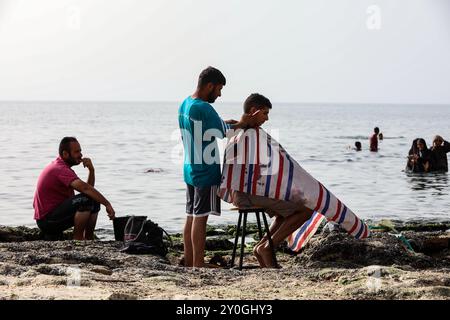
(243, 212)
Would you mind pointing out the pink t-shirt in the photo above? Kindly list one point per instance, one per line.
(53, 187)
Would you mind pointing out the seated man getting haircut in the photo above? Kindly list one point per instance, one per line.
(258, 172)
(56, 206)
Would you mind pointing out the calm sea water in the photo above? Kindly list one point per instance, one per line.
(126, 140)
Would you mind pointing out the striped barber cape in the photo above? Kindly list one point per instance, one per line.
(257, 164)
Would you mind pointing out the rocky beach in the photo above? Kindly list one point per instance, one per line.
(332, 266)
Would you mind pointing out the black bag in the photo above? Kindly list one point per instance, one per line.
(142, 236)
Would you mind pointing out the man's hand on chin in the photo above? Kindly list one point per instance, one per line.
(87, 163)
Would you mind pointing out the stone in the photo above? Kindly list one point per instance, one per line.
(102, 270)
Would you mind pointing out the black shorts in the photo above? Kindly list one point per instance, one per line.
(62, 217)
(202, 201)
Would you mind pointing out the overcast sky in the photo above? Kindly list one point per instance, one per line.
(394, 51)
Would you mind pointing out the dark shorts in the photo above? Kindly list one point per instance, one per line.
(202, 201)
(62, 217)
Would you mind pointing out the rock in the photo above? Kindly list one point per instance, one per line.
(15, 234)
(19, 234)
(94, 253)
(436, 244)
(337, 249)
(214, 231)
(218, 244)
(251, 228)
(102, 270)
(122, 296)
(331, 266)
(8, 269)
(441, 291)
(51, 270)
(418, 225)
(219, 261)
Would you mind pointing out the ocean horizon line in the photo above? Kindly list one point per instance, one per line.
(230, 102)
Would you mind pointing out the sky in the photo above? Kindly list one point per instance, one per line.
(346, 51)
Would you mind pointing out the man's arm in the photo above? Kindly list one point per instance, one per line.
(446, 146)
(90, 191)
(87, 163)
(245, 122)
(91, 178)
(213, 121)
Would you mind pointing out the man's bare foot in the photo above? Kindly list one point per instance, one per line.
(266, 256)
(257, 255)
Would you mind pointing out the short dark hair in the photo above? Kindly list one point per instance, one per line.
(256, 100)
(64, 145)
(376, 129)
(358, 144)
(211, 75)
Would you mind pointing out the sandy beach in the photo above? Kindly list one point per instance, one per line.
(332, 266)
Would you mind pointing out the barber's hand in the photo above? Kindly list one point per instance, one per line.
(248, 120)
(231, 121)
(87, 163)
(110, 211)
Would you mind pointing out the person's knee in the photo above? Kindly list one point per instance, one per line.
(93, 217)
(189, 220)
(95, 207)
(305, 212)
(279, 218)
(200, 221)
(82, 216)
(86, 203)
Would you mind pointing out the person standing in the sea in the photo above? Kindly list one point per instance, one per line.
(420, 158)
(374, 140)
(439, 152)
(200, 126)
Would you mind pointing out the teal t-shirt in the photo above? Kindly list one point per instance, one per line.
(200, 126)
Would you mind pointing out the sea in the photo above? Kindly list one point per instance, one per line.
(137, 153)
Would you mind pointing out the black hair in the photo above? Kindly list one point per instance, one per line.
(211, 75)
(64, 145)
(256, 100)
(413, 149)
(376, 130)
(358, 144)
(421, 140)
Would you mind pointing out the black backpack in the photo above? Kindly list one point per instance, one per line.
(142, 236)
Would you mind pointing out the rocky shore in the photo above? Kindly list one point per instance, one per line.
(332, 266)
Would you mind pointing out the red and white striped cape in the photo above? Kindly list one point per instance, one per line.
(257, 164)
